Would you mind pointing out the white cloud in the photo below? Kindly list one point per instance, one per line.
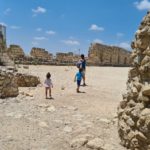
(98, 41)
(34, 43)
(50, 32)
(7, 11)
(95, 27)
(38, 10)
(71, 42)
(119, 34)
(125, 45)
(40, 38)
(39, 29)
(144, 4)
(15, 27)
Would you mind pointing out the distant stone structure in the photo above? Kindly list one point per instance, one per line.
(69, 58)
(134, 109)
(100, 54)
(15, 52)
(41, 54)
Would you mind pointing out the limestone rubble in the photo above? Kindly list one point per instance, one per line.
(134, 109)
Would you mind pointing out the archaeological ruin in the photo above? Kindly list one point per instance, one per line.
(15, 52)
(134, 109)
(68, 58)
(10, 80)
(41, 54)
(100, 54)
(4, 58)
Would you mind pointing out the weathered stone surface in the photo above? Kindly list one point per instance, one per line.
(40, 53)
(24, 80)
(134, 113)
(96, 143)
(9, 88)
(146, 90)
(67, 58)
(79, 142)
(2, 38)
(108, 55)
(15, 52)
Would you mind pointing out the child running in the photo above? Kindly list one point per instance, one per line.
(78, 78)
(48, 85)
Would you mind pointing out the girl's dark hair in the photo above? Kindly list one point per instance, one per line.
(48, 75)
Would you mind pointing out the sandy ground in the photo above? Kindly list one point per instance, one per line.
(35, 123)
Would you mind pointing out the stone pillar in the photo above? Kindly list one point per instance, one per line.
(2, 38)
(134, 109)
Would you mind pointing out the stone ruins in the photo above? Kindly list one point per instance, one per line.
(8, 86)
(100, 54)
(15, 52)
(41, 54)
(68, 58)
(24, 80)
(9, 79)
(4, 58)
(134, 109)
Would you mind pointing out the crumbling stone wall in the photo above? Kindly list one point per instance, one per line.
(8, 86)
(134, 109)
(9, 83)
(66, 57)
(24, 80)
(100, 54)
(15, 52)
(40, 53)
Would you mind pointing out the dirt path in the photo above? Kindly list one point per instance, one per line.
(34, 123)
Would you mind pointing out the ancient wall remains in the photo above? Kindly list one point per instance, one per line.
(15, 52)
(40, 53)
(24, 80)
(66, 57)
(2, 38)
(8, 86)
(100, 54)
(134, 109)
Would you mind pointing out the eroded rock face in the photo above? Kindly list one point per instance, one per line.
(24, 80)
(8, 86)
(134, 109)
(15, 52)
(40, 53)
(100, 54)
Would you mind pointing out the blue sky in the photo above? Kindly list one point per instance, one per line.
(70, 25)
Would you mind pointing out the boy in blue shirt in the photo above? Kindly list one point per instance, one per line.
(78, 78)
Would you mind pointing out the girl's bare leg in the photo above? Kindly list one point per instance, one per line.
(46, 92)
(50, 93)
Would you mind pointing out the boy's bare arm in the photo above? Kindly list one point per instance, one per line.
(75, 78)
